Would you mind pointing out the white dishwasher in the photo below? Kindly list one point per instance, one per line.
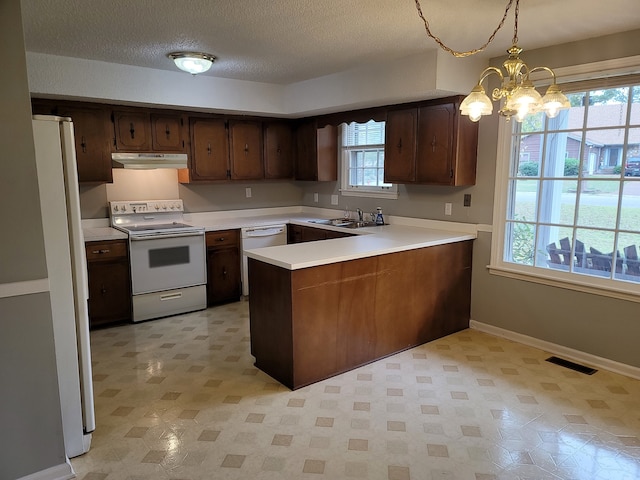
(259, 237)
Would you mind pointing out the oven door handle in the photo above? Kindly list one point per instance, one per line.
(138, 238)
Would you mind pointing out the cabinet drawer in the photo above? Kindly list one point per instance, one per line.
(106, 250)
(223, 238)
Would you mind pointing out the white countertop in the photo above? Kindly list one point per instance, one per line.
(402, 234)
(370, 242)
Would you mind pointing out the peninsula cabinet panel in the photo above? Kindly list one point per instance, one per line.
(400, 146)
(167, 133)
(246, 159)
(313, 323)
(209, 150)
(278, 150)
(132, 130)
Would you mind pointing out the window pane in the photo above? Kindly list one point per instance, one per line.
(598, 204)
(533, 123)
(370, 159)
(530, 154)
(607, 107)
(555, 155)
(599, 253)
(558, 202)
(525, 200)
(630, 209)
(520, 243)
(554, 248)
(635, 106)
(629, 247)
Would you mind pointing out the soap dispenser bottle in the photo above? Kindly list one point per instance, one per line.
(379, 217)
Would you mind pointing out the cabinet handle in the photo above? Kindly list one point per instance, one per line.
(132, 131)
(209, 148)
(400, 145)
(167, 131)
(246, 148)
(433, 144)
(83, 144)
(102, 289)
(95, 252)
(221, 239)
(224, 272)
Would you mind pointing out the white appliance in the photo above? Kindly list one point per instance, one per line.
(67, 273)
(259, 237)
(167, 257)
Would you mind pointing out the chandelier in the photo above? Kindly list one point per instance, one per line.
(519, 94)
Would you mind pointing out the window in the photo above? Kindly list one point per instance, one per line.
(572, 206)
(363, 161)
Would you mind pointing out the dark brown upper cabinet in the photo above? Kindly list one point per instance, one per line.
(246, 159)
(278, 150)
(431, 144)
(209, 151)
(316, 152)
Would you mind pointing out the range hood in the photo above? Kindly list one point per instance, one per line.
(149, 160)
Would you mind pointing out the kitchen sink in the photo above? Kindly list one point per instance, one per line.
(342, 222)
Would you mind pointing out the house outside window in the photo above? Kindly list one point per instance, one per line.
(571, 211)
(362, 160)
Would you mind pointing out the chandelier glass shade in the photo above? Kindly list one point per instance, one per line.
(192, 62)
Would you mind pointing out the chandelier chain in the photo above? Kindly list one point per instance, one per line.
(468, 53)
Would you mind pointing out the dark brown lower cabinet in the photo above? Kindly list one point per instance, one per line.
(109, 282)
(313, 323)
(223, 267)
(301, 233)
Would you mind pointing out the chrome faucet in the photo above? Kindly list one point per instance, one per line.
(360, 217)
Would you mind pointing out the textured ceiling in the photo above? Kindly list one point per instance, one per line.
(285, 41)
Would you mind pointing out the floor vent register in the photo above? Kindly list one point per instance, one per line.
(573, 366)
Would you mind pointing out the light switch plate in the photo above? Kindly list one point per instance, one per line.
(315, 197)
(447, 208)
(247, 192)
(334, 199)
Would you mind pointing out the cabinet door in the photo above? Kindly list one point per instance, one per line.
(294, 233)
(310, 234)
(109, 285)
(246, 150)
(316, 152)
(400, 146)
(133, 131)
(93, 143)
(209, 149)
(306, 144)
(223, 276)
(278, 151)
(435, 144)
(166, 133)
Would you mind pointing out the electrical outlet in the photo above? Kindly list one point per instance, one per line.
(247, 192)
(447, 208)
(467, 199)
(315, 197)
(334, 199)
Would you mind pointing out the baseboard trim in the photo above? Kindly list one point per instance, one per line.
(63, 471)
(560, 350)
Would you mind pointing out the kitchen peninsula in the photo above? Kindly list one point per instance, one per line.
(322, 308)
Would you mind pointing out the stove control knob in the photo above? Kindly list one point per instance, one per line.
(124, 208)
(164, 207)
(157, 206)
(115, 208)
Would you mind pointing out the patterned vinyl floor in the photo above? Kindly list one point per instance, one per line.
(179, 398)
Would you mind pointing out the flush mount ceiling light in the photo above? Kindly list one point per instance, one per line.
(517, 89)
(192, 62)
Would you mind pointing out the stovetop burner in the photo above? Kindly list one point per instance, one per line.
(153, 227)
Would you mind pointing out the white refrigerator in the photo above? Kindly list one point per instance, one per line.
(67, 273)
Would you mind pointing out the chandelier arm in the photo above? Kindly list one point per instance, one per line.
(488, 71)
(546, 69)
(468, 53)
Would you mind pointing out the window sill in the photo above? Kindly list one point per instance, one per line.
(369, 194)
(630, 293)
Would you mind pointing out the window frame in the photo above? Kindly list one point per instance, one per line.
(343, 159)
(595, 76)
